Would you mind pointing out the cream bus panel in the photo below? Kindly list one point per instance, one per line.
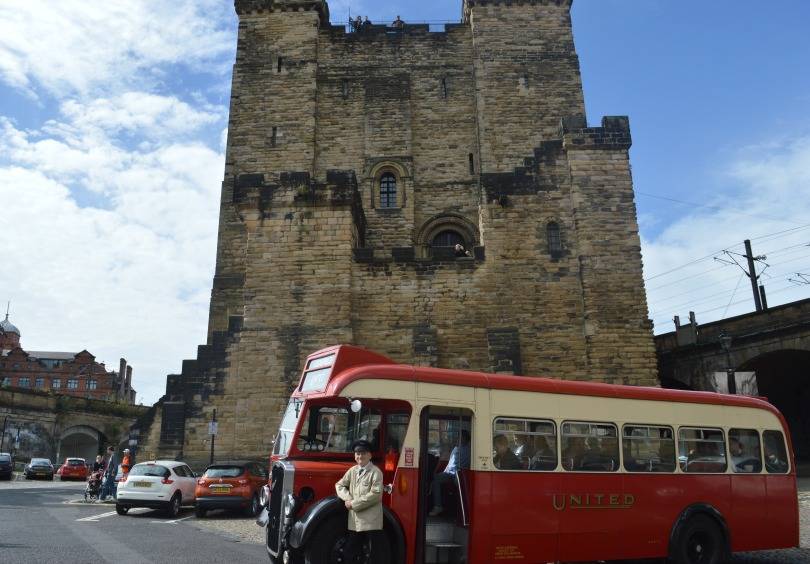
(388, 389)
(446, 395)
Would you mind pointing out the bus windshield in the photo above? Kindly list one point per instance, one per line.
(334, 429)
(287, 427)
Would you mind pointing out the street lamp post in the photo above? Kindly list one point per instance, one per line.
(725, 342)
(212, 430)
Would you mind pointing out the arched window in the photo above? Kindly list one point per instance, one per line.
(388, 190)
(447, 238)
(554, 238)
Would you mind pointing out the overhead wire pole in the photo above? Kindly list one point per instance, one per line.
(752, 274)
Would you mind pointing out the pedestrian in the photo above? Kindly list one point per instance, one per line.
(110, 468)
(361, 491)
(126, 464)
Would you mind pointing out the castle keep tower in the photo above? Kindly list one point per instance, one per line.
(356, 161)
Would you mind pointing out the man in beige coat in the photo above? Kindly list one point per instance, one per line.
(361, 491)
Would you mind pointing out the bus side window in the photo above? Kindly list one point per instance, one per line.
(776, 460)
(396, 426)
(648, 449)
(590, 447)
(701, 450)
(532, 441)
(744, 450)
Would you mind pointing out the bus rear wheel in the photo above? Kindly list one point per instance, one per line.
(699, 541)
(326, 545)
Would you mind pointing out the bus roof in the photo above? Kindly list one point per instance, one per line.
(347, 372)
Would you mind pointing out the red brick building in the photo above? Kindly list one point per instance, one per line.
(68, 373)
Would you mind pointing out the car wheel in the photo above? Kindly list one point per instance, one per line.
(121, 509)
(699, 541)
(200, 512)
(253, 509)
(173, 510)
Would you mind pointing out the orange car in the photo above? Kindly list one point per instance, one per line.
(231, 485)
(73, 469)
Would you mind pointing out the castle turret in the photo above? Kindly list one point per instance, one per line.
(526, 75)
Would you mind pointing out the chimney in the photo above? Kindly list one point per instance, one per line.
(122, 373)
(128, 384)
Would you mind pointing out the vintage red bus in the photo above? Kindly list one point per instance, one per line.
(580, 471)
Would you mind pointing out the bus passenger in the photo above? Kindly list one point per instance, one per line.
(504, 458)
(544, 457)
(459, 458)
(360, 488)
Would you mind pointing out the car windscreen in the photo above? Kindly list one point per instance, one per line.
(224, 471)
(75, 462)
(150, 470)
(40, 461)
(5, 458)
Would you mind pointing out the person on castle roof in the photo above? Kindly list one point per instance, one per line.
(398, 23)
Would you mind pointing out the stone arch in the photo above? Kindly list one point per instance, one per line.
(783, 376)
(81, 441)
(448, 222)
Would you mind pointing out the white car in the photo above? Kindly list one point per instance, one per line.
(159, 484)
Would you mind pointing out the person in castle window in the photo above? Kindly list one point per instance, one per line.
(504, 458)
(398, 23)
(460, 251)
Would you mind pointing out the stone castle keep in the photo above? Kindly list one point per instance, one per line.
(355, 163)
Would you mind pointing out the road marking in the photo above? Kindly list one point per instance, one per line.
(173, 522)
(96, 518)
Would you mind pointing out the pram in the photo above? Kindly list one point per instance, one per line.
(93, 487)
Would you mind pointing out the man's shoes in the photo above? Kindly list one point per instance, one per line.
(436, 511)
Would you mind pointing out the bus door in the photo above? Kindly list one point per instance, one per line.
(444, 485)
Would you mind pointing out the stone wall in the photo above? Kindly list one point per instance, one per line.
(482, 125)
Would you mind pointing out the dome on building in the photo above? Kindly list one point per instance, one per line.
(7, 327)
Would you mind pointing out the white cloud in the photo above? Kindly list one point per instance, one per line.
(127, 275)
(74, 46)
(770, 206)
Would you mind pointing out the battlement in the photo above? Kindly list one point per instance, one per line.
(468, 5)
(245, 7)
(614, 134)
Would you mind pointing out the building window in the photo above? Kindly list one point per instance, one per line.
(40, 383)
(72, 384)
(554, 239)
(56, 383)
(388, 190)
(92, 384)
(6, 382)
(24, 382)
(447, 238)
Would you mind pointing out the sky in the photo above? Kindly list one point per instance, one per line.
(113, 120)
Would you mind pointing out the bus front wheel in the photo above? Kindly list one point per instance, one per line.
(326, 545)
(699, 541)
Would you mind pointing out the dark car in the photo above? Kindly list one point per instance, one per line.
(38, 468)
(6, 466)
(231, 485)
